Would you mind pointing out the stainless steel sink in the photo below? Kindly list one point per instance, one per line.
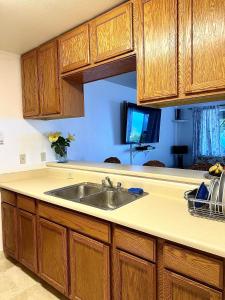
(96, 195)
(76, 192)
(110, 199)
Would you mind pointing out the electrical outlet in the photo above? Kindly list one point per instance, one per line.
(22, 159)
(43, 156)
(1, 138)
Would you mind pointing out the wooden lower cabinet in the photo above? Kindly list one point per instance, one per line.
(85, 268)
(90, 268)
(177, 287)
(133, 277)
(27, 239)
(52, 253)
(9, 230)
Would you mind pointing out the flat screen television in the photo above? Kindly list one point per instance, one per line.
(142, 124)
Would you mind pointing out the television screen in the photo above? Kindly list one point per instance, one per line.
(142, 124)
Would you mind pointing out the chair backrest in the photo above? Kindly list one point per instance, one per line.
(154, 163)
(201, 166)
(112, 160)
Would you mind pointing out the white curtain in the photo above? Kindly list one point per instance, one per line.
(206, 135)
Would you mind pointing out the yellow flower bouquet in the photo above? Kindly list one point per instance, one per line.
(60, 144)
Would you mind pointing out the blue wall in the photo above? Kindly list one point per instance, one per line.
(98, 134)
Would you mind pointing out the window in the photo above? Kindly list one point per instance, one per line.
(209, 132)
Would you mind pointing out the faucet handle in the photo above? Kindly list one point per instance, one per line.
(103, 183)
(119, 185)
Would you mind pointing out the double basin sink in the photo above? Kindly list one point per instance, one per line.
(107, 198)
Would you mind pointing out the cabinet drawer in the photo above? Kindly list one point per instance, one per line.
(8, 197)
(84, 224)
(195, 265)
(135, 243)
(26, 203)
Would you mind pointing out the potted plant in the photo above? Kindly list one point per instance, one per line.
(60, 144)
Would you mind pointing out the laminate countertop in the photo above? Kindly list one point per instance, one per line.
(170, 174)
(162, 213)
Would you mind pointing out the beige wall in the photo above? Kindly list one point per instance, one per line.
(19, 135)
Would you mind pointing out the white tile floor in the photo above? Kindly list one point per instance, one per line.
(19, 284)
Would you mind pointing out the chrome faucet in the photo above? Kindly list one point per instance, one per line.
(110, 183)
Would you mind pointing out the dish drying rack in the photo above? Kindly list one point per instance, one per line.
(208, 208)
(205, 208)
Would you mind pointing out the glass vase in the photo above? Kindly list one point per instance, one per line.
(62, 157)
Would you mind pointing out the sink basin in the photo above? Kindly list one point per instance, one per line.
(95, 195)
(109, 199)
(76, 192)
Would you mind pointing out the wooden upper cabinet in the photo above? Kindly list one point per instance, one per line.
(204, 45)
(49, 78)
(9, 230)
(112, 33)
(177, 287)
(157, 47)
(30, 84)
(74, 49)
(90, 268)
(133, 278)
(27, 240)
(45, 94)
(52, 254)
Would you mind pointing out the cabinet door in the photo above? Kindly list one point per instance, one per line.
(27, 240)
(89, 266)
(134, 278)
(53, 254)
(157, 49)
(74, 49)
(112, 33)
(49, 79)
(204, 40)
(9, 230)
(177, 287)
(31, 105)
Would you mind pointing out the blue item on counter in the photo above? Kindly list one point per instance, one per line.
(136, 191)
(202, 194)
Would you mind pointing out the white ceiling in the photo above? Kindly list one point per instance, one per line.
(24, 24)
